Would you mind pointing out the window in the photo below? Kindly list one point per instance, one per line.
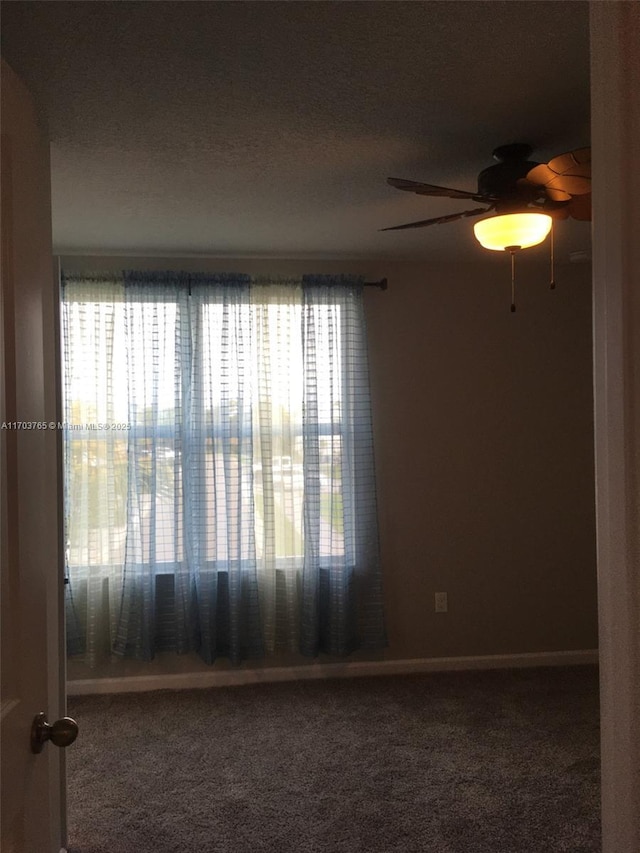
(219, 434)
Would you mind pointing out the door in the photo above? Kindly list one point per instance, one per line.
(30, 559)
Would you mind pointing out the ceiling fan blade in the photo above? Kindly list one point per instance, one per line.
(568, 173)
(576, 207)
(561, 212)
(439, 220)
(429, 189)
(568, 184)
(576, 162)
(580, 207)
(557, 195)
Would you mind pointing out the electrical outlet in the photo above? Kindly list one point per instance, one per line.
(441, 602)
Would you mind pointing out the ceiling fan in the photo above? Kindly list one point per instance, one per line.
(522, 196)
(559, 188)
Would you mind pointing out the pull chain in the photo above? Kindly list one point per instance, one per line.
(512, 251)
(552, 284)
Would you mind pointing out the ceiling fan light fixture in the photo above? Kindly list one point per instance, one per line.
(512, 230)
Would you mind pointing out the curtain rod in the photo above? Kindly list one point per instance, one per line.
(382, 284)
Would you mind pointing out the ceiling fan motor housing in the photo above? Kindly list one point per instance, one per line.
(500, 181)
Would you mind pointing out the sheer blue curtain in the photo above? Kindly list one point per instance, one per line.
(219, 481)
(342, 594)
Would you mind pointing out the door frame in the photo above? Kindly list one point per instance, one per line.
(615, 115)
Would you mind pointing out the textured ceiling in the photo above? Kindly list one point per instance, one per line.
(269, 128)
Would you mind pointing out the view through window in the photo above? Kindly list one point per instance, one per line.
(137, 416)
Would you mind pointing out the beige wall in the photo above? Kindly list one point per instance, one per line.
(484, 451)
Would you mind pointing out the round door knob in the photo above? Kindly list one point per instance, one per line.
(61, 733)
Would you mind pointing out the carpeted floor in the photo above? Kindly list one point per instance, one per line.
(482, 762)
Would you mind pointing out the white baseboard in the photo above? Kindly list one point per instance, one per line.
(351, 669)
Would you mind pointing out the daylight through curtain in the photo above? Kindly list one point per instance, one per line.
(219, 484)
